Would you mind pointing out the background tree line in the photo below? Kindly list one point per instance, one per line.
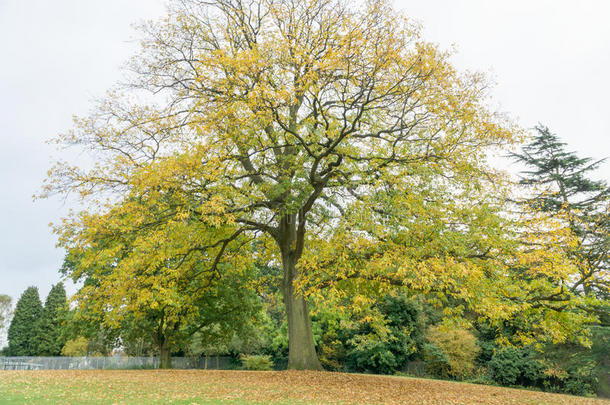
(36, 330)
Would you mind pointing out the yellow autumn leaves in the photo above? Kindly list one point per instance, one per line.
(335, 128)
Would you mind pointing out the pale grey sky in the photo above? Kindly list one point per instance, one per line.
(55, 57)
(550, 60)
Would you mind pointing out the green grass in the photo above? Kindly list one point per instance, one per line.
(55, 399)
(20, 400)
(74, 397)
(98, 391)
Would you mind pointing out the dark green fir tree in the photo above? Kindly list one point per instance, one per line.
(562, 185)
(51, 338)
(24, 327)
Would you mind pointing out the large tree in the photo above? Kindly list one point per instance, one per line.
(560, 183)
(24, 326)
(331, 134)
(151, 286)
(51, 337)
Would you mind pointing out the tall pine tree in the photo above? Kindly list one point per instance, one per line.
(23, 330)
(561, 186)
(50, 338)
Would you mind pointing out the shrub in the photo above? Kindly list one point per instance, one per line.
(75, 347)
(331, 353)
(482, 377)
(369, 351)
(584, 385)
(256, 362)
(559, 368)
(436, 361)
(416, 368)
(571, 380)
(578, 370)
(373, 356)
(515, 366)
(451, 351)
(330, 336)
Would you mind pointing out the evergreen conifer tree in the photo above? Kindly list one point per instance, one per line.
(563, 187)
(50, 338)
(23, 329)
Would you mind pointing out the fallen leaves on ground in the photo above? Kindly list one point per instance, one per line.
(286, 387)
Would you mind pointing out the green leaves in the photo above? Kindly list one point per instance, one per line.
(51, 335)
(330, 140)
(23, 331)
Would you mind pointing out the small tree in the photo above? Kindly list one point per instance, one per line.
(24, 327)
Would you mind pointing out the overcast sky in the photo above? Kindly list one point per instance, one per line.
(550, 60)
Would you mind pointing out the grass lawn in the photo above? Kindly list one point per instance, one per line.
(251, 387)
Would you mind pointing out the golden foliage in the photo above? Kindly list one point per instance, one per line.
(76, 347)
(459, 347)
(326, 138)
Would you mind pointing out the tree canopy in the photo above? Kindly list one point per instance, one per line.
(328, 139)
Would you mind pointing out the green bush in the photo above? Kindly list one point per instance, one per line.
(571, 380)
(563, 368)
(580, 384)
(515, 366)
(373, 356)
(436, 361)
(256, 362)
(330, 336)
(415, 368)
(367, 351)
(578, 370)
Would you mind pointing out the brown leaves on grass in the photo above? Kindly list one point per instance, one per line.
(306, 387)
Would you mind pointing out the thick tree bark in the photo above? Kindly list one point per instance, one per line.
(165, 355)
(301, 347)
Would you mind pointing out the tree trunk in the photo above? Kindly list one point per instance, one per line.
(165, 355)
(301, 348)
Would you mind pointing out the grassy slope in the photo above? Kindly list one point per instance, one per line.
(249, 387)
